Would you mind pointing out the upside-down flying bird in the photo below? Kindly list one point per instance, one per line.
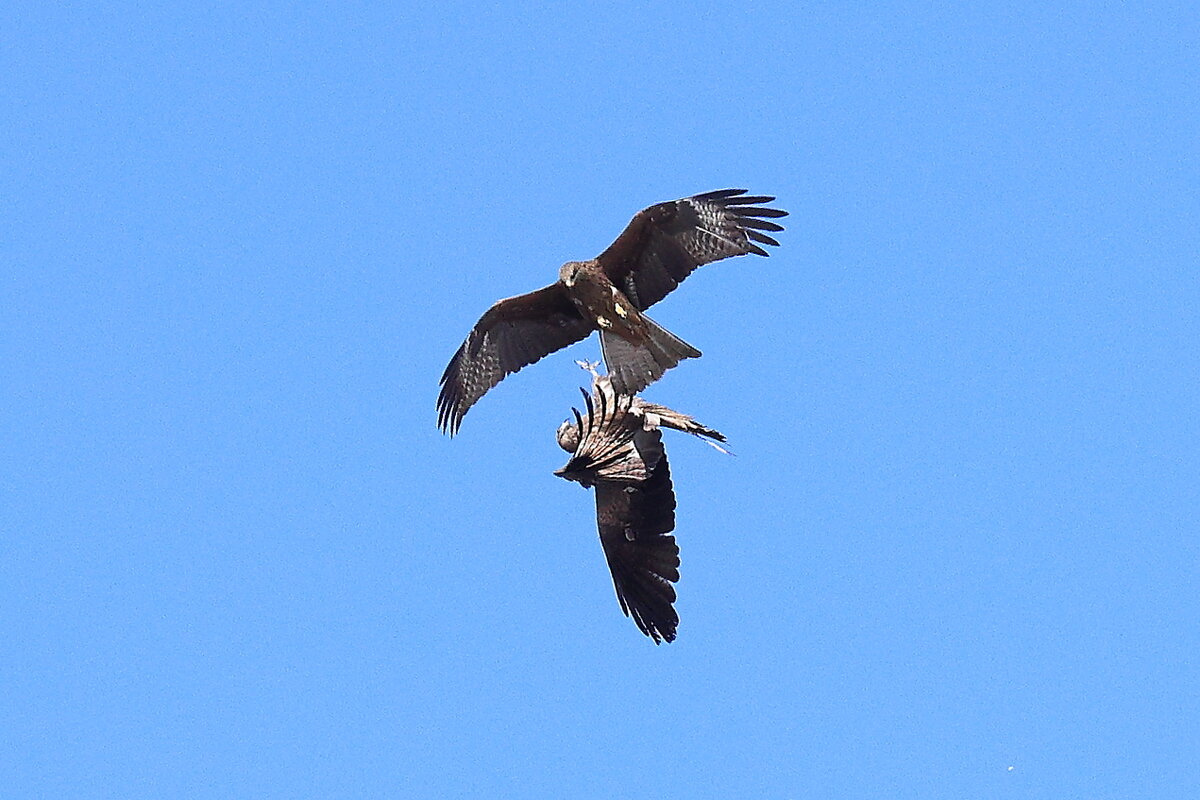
(616, 448)
(659, 248)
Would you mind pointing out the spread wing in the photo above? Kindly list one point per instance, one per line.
(610, 443)
(613, 451)
(635, 522)
(512, 334)
(665, 242)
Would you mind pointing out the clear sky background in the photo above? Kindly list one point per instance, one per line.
(955, 555)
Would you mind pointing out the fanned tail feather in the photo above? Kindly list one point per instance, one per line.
(656, 415)
(633, 367)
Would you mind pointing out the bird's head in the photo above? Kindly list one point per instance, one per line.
(569, 272)
(568, 436)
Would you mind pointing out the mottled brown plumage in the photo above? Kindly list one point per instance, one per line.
(659, 248)
(651, 415)
(617, 448)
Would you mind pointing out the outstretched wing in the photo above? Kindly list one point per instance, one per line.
(512, 334)
(608, 447)
(635, 523)
(665, 242)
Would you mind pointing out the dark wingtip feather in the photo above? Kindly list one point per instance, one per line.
(449, 402)
(591, 416)
(749, 218)
(449, 414)
(761, 237)
(751, 200)
(720, 194)
(749, 214)
(758, 211)
(761, 224)
(448, 418)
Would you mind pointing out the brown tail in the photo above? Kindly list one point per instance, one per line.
(656, 415)
(633, 367)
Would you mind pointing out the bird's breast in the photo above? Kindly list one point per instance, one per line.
(607, 306)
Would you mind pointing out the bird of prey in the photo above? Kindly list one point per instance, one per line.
(617, 449)
(659, 248)
(651, 415)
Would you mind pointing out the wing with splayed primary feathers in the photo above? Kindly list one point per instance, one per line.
(610, 442)
(664, 243)
(512, 334)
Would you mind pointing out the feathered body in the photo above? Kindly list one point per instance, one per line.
(659, 248)
(616, 448)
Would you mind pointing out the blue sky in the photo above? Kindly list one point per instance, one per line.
(955, 555)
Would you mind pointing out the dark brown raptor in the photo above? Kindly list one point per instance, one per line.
(616, 448)
(659, 248)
